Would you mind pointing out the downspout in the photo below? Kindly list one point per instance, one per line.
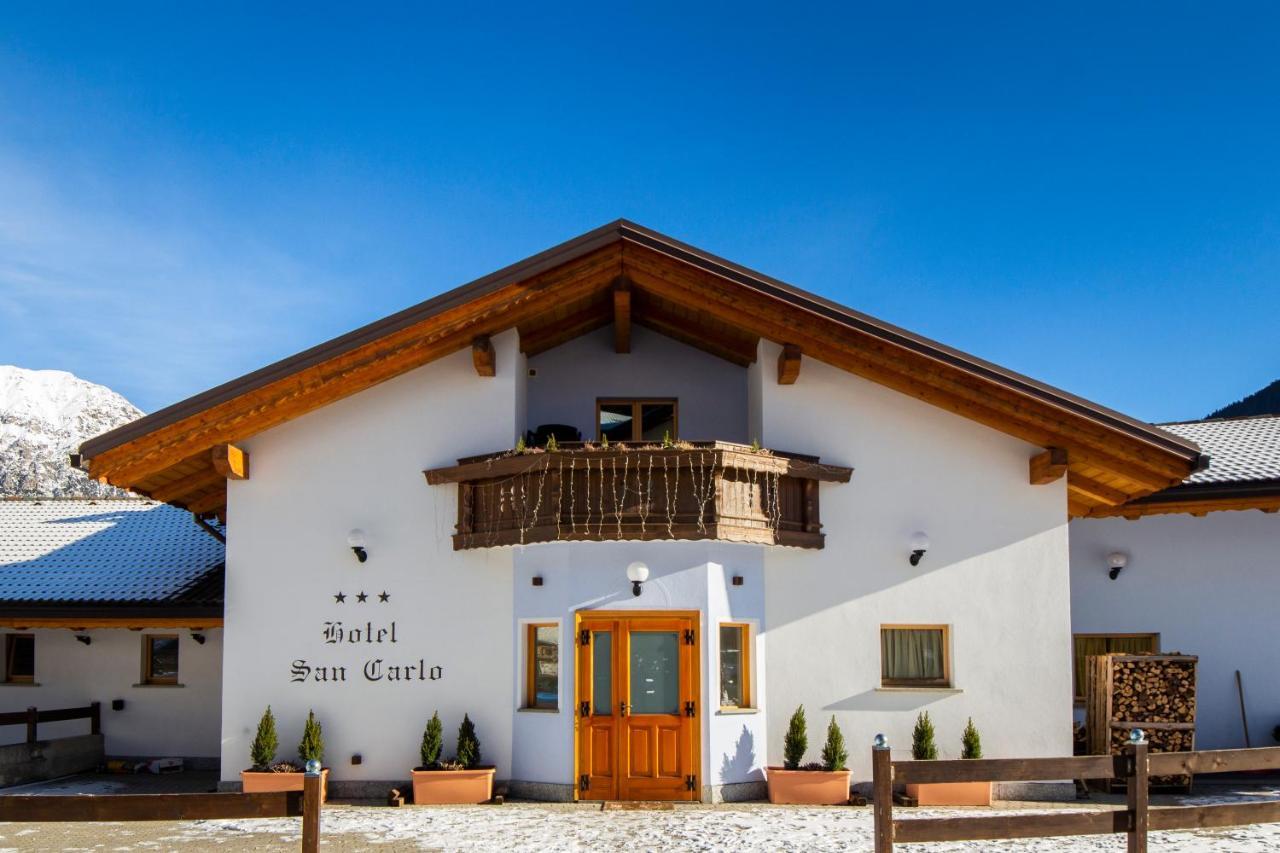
(209, 528)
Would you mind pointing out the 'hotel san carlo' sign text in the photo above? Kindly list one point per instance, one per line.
(379, 637)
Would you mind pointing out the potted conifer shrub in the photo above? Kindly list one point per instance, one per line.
(816, 784)
(265, 774)
(463, 779)
(923, 748)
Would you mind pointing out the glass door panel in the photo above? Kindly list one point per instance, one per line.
(655, 672)
(601, 673)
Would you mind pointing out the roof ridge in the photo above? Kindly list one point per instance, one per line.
(1218, 420)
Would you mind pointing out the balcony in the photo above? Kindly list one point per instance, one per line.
(688, 491)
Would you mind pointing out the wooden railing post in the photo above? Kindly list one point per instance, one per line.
(32, 718)
(1138, 792)
(311, 812)
(882, 794)
(95, 718)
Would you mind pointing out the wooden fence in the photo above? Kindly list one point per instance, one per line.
(125, 807)
(32, 718)
(1134, 767)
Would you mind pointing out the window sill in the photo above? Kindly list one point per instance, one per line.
(537, 710)
(919, 690)
(19, 684)
(145, 684)
(735, 711)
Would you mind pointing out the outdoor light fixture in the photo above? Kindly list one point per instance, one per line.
(356, 540)
(1117, 561)
(637, 573)
(83, 638)
(199, 638)
(919, 544)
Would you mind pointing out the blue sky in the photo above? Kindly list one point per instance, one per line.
(1089, 195)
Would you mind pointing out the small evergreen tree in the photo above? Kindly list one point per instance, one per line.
(922, 746)
(468, 744)
(262, 753)
(666, 439)
(520, 444)
(971, 742)
(432, 741)
(552, 444)
(834, 755)
(312, 744)
(796, 742)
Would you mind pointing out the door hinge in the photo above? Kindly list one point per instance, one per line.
(690, 709)
(584, 637)
(688, 636)
(584, 782)
(690, 783)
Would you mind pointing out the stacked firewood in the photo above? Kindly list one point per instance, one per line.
(1152, 692)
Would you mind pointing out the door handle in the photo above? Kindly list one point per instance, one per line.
(584, 709)
(622, 709)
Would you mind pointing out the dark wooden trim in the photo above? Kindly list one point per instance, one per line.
(1011, 769)
(148, 659)
(130, 807)
(1214, 761)
(33, 716)
(1211, 817)
(637, 425)
(1009, 826)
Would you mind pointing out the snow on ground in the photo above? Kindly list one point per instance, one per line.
(521, 827)
(750, 828)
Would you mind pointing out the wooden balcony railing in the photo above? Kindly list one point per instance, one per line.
(706, 490)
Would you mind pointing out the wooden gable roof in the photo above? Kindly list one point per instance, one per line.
(623, 273)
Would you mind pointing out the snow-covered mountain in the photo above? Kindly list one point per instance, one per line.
(44, 415)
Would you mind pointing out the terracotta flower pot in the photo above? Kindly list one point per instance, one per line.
(951, 793)
(453, 787)
(254, 782)
(808, 787)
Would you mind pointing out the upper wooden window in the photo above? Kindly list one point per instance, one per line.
(915, 656)
(160, 659)
(20, 658)
(637, 420)
(735, 666)
(1088, 645)
(542, 673)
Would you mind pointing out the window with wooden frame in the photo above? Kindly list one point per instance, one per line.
(19, 658)
(160, 659)
(735, 665)
(1086, 646)
(542, 670)
(915, 656)
(646, 421)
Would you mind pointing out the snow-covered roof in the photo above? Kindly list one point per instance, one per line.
(106, 551)
(1241, 450)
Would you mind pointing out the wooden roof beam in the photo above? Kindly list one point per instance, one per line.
(208, 504)
(1096, 491)
(483, 356)
(622, 315)
(789, 364)
(188, 485)
(1048, 466)
(231, 462)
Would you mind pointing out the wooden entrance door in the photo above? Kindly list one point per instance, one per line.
(637, 705)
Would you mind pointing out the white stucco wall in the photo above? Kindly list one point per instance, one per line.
(155, 722)
(996, 573)
(1209, 587)
(712, 392)
(683, 576)
(358, 463)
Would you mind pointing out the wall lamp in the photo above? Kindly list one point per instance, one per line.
(1117, 561)
(355, 539)
(919, 544)
(199, 638)
(84, 638)
(637, 573)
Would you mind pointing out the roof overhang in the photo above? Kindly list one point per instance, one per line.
(106, 615)
(676, 289)
(1200, 499)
